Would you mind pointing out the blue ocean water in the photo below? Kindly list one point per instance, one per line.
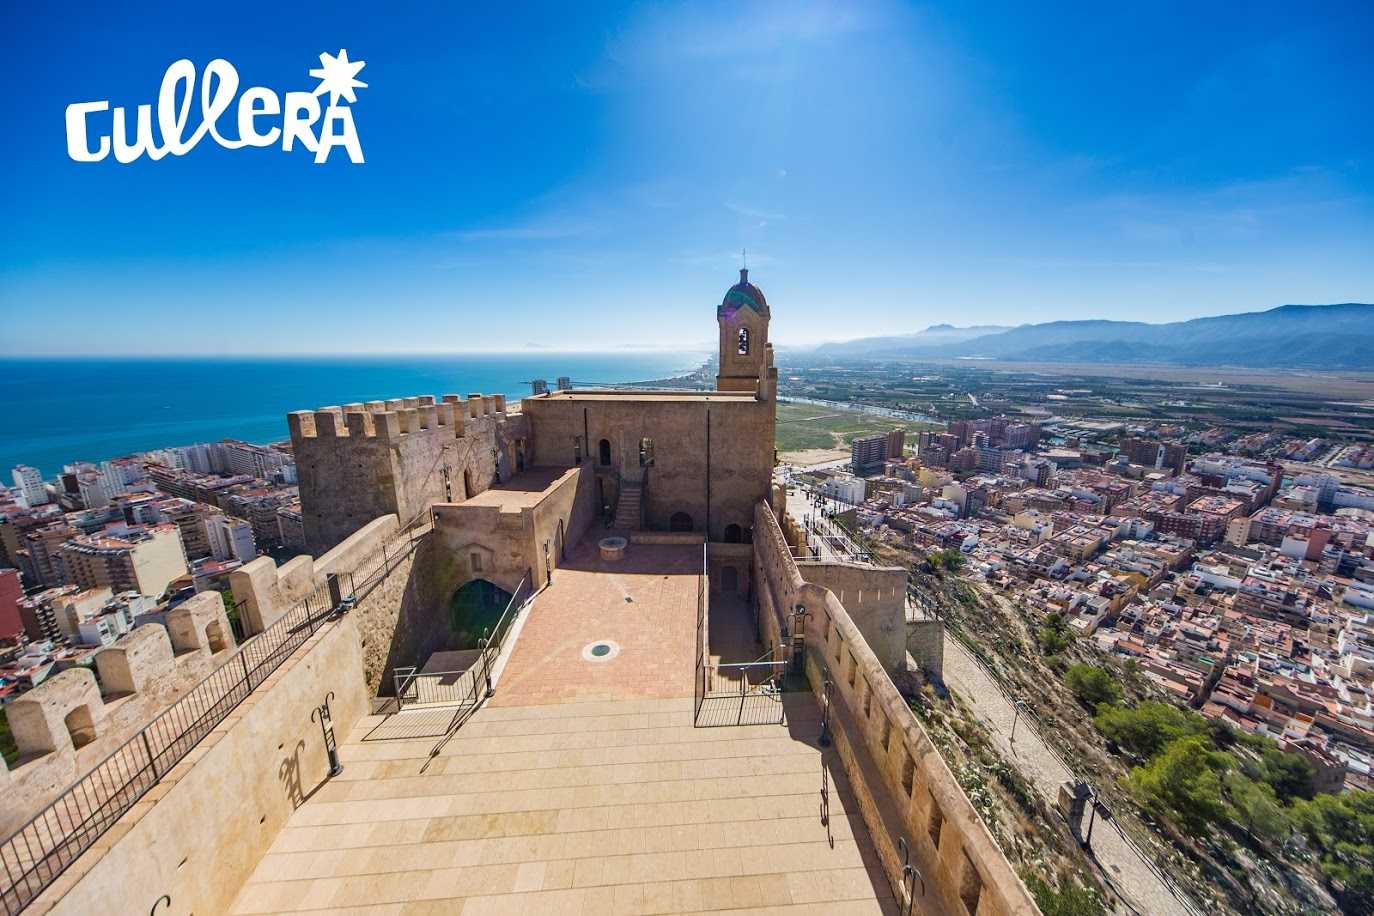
(61, 410)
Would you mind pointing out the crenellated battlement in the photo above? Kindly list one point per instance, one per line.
(394, 418)
(398, 456)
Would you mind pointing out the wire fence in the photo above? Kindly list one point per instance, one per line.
(37, 853)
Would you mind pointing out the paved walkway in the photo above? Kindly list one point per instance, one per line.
(1133, 878)
(601, 807)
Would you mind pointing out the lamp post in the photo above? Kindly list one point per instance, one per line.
(1092, 815)
(824, 739)
(1018, 706)
(327, 728)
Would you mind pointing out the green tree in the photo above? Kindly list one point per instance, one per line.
(1146, 729)
(1256, 807)
(1184, 782)
(1290, 775)
(1092, 685)
(1341, 827)
(1054, 635)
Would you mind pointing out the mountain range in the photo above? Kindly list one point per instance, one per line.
(1339, 336)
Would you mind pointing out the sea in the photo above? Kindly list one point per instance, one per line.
(57, 411)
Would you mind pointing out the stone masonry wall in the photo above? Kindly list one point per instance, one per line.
(141, 674)
(904, 788)
(361, 461)
(200, 833)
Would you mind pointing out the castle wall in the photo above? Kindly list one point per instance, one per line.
(703, 444)
(140, 676)
(215, 815)
(903, 786)
(397, 457)
(874, 598)
(401, 616)
(266, 591)
(508, 543)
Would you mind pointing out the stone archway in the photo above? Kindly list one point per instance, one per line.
(473, 611)
(680, 521)
(603, 453)
(734, 534)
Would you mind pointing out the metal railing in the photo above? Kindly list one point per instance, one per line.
(37, 853)
(699, 688)
(430, 688)
(477, 683)
(732, 685)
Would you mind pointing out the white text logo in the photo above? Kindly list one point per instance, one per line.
(264, 118)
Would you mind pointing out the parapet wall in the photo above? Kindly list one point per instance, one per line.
(392, 575)
(265, 591)
(904, 788)
(70, 722)
(197, 838)
(398, 457)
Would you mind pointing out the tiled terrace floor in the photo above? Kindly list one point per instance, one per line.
(592, 807)
(646, 604)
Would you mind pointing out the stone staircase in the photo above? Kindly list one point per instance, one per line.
(609, 807)
(629, 510)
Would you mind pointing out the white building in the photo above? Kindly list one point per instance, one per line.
(29, 482)
(230, 538)
(846, 488)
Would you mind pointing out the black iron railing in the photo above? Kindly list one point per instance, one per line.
(703, 635)
(34, 856)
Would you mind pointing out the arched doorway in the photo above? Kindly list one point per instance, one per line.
(603, 453)
(474, 610)
(734, 534)
(729, 579)
(680, 521)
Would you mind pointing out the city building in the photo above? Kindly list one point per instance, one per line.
(867, 453)
(29, 482)
(230, 538)
(11, 593)
(144, 559)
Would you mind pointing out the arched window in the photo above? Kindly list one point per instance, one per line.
(733, 534)
(743, 342)
(603, 455)
(680, 521)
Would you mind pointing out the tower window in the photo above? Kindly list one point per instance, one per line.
(743, 349)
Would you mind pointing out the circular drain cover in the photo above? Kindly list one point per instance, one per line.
(600, 651)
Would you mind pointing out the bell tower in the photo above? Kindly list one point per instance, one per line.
(746, 357)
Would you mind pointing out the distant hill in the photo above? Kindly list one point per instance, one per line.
(1313, 336)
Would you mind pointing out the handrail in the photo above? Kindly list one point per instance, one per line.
(38, 852)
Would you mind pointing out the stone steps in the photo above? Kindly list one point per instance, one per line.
(627, 507)
(604, 807)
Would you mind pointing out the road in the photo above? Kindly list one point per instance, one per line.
(1124, 868)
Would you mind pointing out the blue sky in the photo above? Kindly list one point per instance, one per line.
(585, 176)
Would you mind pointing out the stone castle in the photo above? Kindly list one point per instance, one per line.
(573, 655)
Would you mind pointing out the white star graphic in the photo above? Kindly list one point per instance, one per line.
(336, 76)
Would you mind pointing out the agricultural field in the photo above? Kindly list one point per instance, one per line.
(808, 434)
